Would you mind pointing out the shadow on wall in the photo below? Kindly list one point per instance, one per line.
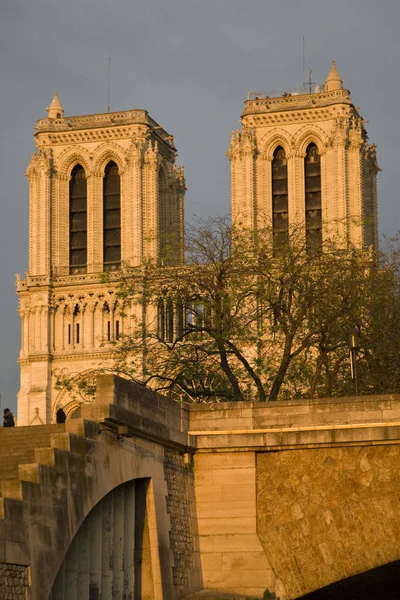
(111, 552)
(376, 584)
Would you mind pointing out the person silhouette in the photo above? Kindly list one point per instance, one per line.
(61, 417)
(8, 419)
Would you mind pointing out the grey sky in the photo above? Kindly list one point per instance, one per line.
(190, 63)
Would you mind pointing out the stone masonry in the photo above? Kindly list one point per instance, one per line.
(179, 479)
(70, 315)
(13, 582)
(223, 501)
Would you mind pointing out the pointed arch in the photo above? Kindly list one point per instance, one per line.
(78, 220)
(307, 135)
(106, 152)
(313, 206)
(269, 143)
(111, 217)
(280, 197)
(70, 158)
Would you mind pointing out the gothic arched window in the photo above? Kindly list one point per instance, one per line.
(78, 220)
(312, 176)
(169, 321)
(160, 319)
(280, 224)
(112, 217)
(179, 317)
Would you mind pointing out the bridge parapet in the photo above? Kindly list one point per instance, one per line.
(295, 413)
(74, 474)
(295, 423)
(222, 501)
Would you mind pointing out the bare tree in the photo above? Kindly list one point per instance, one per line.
(249, 319)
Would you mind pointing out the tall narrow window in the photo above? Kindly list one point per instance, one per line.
(280, 224)
(179, 317)
(112, 217)
(169, 321)
(312, 175)
(78, 221)
(160, 320)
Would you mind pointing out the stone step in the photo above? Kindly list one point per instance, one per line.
(33, 458)
(10, 473)
(29, 431)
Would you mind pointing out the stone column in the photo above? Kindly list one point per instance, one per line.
(22, 314)
(136, 233)
(265, 191)
(150, 220)
(82, 340)
(62, 225)
(53, 328)
(111, 322)
(92, 325)
(32, 173)
(95, 225)
(33, 328)
(354, 204)
(63, 328)
(93, 235)
(296, 189)
(44, 247)
(72, 329)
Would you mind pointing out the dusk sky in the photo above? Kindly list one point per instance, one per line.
(190, 64)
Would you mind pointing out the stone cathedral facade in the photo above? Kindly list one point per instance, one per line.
(106, 195)
(304, 160)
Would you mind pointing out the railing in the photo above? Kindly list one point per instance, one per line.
(261, 95)
(103, 119)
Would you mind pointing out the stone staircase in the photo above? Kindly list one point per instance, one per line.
(27, 454)
(32, 460)
(18, 445)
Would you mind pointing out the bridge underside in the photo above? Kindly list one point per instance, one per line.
(382, 582)
(109, 557)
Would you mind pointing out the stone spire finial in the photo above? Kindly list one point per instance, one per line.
(333, 81)
(55, 110)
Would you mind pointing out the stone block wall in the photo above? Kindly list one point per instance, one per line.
(318, 412)
(181, 509)
(232, 557)
(326, 514)
(13, 582)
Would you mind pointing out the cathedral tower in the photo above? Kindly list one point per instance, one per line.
(302, 159)
(105, 196)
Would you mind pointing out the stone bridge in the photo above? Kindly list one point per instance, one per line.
(146, 499)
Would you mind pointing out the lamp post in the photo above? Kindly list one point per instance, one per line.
(354, 343)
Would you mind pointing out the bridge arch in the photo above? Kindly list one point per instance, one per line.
(69, 474)
(110, 555)
(94, 471)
